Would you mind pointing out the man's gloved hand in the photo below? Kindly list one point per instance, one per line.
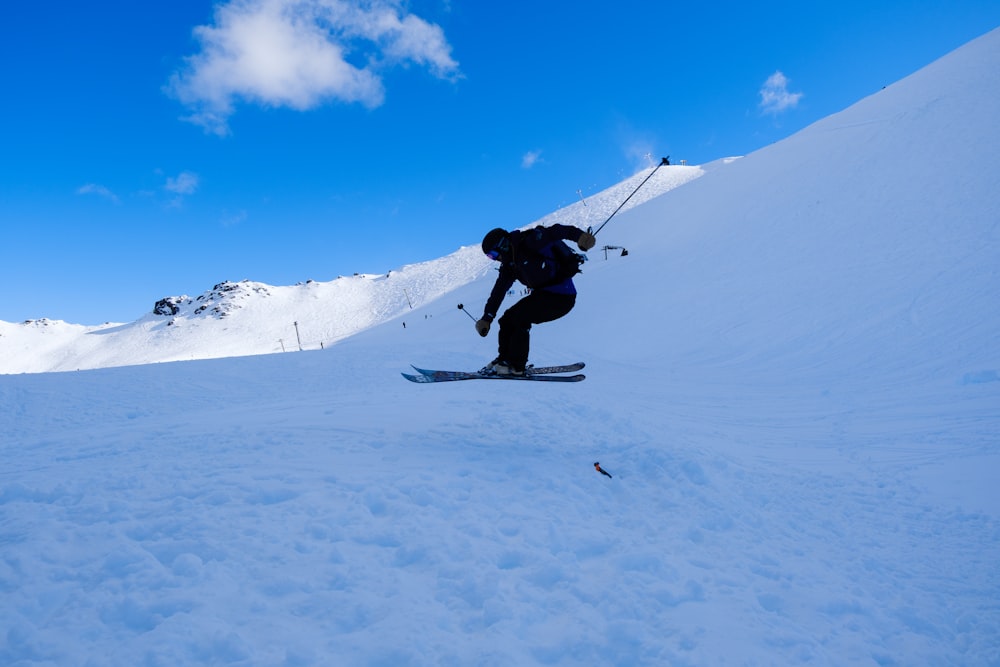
(483, 327)
(586, 241)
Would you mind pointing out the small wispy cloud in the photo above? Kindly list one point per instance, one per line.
(233, 219)
(302, 53)
(530, 159)
(639, 152)
(775, 96)
(184, 183)
(100, 190)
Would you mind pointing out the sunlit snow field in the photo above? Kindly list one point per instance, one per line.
(793, 377)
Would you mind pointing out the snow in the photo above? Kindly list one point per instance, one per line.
(248, 318)
(794, 377)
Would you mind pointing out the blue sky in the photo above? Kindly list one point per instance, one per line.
(156, 149)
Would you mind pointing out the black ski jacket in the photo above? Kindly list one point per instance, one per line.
(534, 259)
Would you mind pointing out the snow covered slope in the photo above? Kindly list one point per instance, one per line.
(794, 377)
(246, 317)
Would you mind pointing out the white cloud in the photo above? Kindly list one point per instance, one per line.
(185, 183)
(640, 153)
(775, 97)
(95, 189)
(530, 159)
(302, 53)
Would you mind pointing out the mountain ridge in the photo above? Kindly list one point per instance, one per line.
(308, 315)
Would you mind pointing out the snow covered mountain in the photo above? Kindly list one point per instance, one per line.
(794, 377)
(247, 318)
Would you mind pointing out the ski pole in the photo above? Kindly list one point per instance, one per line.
(662, 162)
(462, 308)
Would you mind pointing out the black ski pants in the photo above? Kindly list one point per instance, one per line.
(515, 324)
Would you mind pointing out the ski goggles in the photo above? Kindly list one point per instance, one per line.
(499, 249)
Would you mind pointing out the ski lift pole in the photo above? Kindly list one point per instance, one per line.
(662, 162)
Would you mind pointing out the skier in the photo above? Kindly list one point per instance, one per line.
(540, 260)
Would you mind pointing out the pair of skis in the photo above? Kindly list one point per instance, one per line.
(532, 374)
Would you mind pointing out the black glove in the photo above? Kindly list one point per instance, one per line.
(586, 241)
(483, 327)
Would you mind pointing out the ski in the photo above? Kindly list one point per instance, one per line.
(541, 374)
(454, 376)
(530, 370)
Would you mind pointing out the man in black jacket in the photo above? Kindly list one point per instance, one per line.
(540, 260)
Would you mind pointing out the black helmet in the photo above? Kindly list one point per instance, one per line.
(493, 239)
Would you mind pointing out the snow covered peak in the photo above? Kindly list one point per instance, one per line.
(247, 317)
(224, 298)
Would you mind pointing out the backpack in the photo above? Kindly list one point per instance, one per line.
(567, 260)
(556, 262)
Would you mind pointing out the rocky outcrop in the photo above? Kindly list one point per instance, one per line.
(221, 300)
(169, 306)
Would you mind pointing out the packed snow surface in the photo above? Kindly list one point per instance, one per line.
(793, 377)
